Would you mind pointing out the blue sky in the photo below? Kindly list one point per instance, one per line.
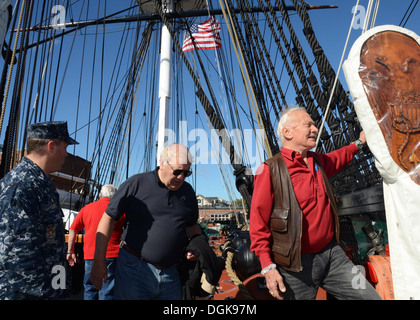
(331, 28)
(84, 60)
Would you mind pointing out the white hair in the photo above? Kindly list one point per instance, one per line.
(284, 119)
(176, 153)
(108, 191)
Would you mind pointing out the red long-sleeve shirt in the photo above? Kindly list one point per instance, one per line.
(89, 218)
(317, 220)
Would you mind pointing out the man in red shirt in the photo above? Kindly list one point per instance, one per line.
(88, 218)
(293, 226)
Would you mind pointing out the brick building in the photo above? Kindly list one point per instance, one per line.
(71, 181)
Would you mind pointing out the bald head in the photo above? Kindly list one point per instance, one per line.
(175, 162)
(176, 153)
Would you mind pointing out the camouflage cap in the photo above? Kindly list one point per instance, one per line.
(50, 130)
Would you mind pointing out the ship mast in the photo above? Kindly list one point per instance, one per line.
(164, 81)
(166, 10)
(167, 7)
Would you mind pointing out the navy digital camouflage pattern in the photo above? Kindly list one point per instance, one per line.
(31, 234)
(50, 130)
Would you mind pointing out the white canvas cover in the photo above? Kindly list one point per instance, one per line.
(400, 180)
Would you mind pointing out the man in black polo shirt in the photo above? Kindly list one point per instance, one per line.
(161, 213)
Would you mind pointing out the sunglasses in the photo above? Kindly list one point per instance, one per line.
(177, 172)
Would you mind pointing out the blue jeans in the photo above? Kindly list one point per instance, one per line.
(107, 291)
(332, 270)
(136, 279)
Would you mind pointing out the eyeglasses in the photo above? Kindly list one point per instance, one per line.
(177, 172)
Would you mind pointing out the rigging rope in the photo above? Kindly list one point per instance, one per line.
(209, 109)
(337, 74)
(249, 46)
(375, 13)
(9, 149)
(243, 66)
(9, 77)
(327, 73)
(261, 81)
(114, 147)
(408, 17)
(215, 120)
(18, 87)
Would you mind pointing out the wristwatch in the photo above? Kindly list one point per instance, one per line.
(268, 268)
(359, 144)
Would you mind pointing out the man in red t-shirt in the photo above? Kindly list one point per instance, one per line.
(88, 218)
(310, 247)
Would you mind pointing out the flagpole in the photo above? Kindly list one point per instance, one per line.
(164, 81)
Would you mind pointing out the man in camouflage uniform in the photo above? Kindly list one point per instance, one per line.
(32, 243)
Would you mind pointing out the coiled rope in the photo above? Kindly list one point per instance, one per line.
(232, 274)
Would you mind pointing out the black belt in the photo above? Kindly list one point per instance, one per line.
(134, 253)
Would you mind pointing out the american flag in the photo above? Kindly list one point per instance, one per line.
(206, 36)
